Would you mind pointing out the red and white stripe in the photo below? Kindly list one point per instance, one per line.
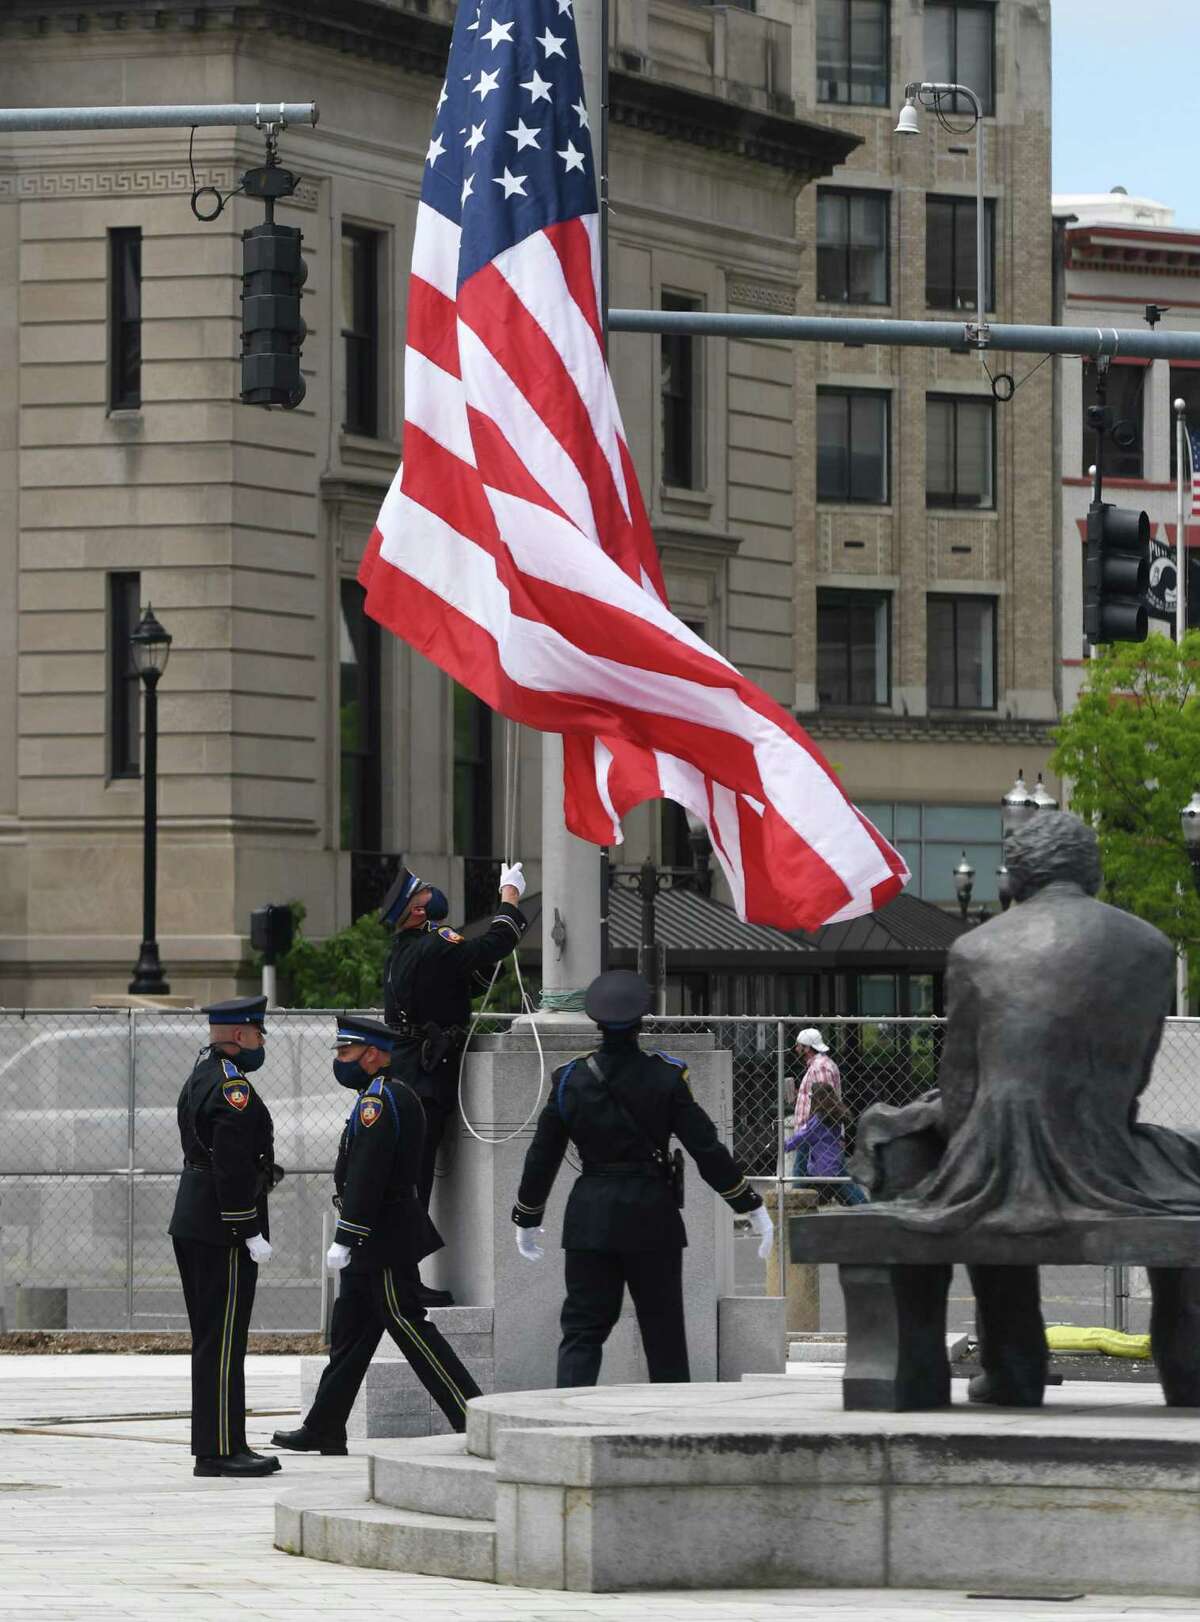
(514, 551)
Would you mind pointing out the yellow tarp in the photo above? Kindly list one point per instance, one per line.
(1067, 1338)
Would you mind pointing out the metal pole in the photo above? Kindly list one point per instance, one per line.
(268, 984)
(148, 978)
(781, 1185)
(131, 1144)
(14, 120)
(952, 335)
(980, 220)
(1181, 442)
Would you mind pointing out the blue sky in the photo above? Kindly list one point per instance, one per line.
(1125, 100)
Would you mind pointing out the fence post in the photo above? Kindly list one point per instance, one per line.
(780, 1161)
(131, 1144)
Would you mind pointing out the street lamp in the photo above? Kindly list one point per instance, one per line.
(1189, 817)
(149, 649)
(931, 95)
(1017, 807)
(964, 883)
(1042, 796)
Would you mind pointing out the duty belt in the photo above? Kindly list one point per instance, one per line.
(614, 1168)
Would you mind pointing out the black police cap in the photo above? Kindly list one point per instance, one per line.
(619, 997)
(353, 1028)
(403, 888)
(238, 1011)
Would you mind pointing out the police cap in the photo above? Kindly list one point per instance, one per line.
(354, 1028)
(617, 998)
(403, 889)
(238, 1011)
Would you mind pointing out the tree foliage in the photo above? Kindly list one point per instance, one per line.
(1130, 750)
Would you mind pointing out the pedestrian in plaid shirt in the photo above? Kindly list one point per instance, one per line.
(818, 1066)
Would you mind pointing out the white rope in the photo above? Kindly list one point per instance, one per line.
(512, 761)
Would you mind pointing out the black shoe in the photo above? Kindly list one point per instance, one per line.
(236, 1464)
(269, 1459)
(1010, 1393)
(433, 1298)
(304, 1441)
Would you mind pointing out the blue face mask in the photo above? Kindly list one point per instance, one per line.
(350, 1073)
(251, 1059)
(437, 907)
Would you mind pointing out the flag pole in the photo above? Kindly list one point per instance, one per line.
(1182, 448)
(571, 901)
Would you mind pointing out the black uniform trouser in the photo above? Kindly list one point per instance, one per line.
(596, 1281)
(218, 1290)
(366, 1305)
(436, 1116)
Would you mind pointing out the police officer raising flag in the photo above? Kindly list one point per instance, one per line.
(383, 1232)
(428, 983)
(620, 1108)
(220, 1231)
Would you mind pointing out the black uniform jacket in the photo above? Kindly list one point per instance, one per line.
(227, 1138)
(382, 1220)
(431, 975)
(610, 1207)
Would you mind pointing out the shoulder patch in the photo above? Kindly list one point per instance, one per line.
(236, 1093)
(370, 1108)
(449, 935)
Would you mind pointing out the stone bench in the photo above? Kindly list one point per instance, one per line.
(896, 1279)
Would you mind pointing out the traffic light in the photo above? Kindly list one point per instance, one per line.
(272, 930)
(273, 274)
(1116, 575)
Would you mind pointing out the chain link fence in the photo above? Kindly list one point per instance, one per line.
(90, 1156)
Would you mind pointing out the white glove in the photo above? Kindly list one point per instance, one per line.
(514, 876)
(760, 1222)
(259, 1248)
(527, 1244)
(336, 1257)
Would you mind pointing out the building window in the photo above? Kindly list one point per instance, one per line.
(360, 331)
(1124, 398)
(125, 319)
(853, 663)
(852, 52)
(961, 653)
(1185, 386)
(960, 49)
(852, 445)
(960, 452)
(950, 257)
(932, 838)
(472, 775)
(358, 699)
(852, 246)
(124, 611)
(680, 357)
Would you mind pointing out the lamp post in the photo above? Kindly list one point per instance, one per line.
(930, 95)
(964, 883)
(150, 647)
(1017, 807)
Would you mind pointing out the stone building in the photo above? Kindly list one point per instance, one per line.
(297, 744)
(925, 564)
(1121, 255)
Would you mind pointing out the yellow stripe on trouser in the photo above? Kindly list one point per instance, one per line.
(410, 1329)
(226, 1357)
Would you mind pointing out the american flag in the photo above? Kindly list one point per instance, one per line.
(513, 548)
(1194, 453)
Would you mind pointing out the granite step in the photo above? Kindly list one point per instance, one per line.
(434, 1475)
(341, 1524)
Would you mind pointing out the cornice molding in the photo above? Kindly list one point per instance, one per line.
(71, 182)
(928, 729)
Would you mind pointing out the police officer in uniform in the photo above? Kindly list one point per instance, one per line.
(382, 1234)
(430, 977)
(620, 1107)
(220, 1231)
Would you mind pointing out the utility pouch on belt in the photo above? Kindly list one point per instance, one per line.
(671, 1165)
(435, 1046)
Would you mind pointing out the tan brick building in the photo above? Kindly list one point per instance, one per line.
(925, 569)
(296, 742)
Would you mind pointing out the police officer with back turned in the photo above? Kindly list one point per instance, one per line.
(220, 1231)
(430, 977)
(620, 1107)
(382, 1234)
